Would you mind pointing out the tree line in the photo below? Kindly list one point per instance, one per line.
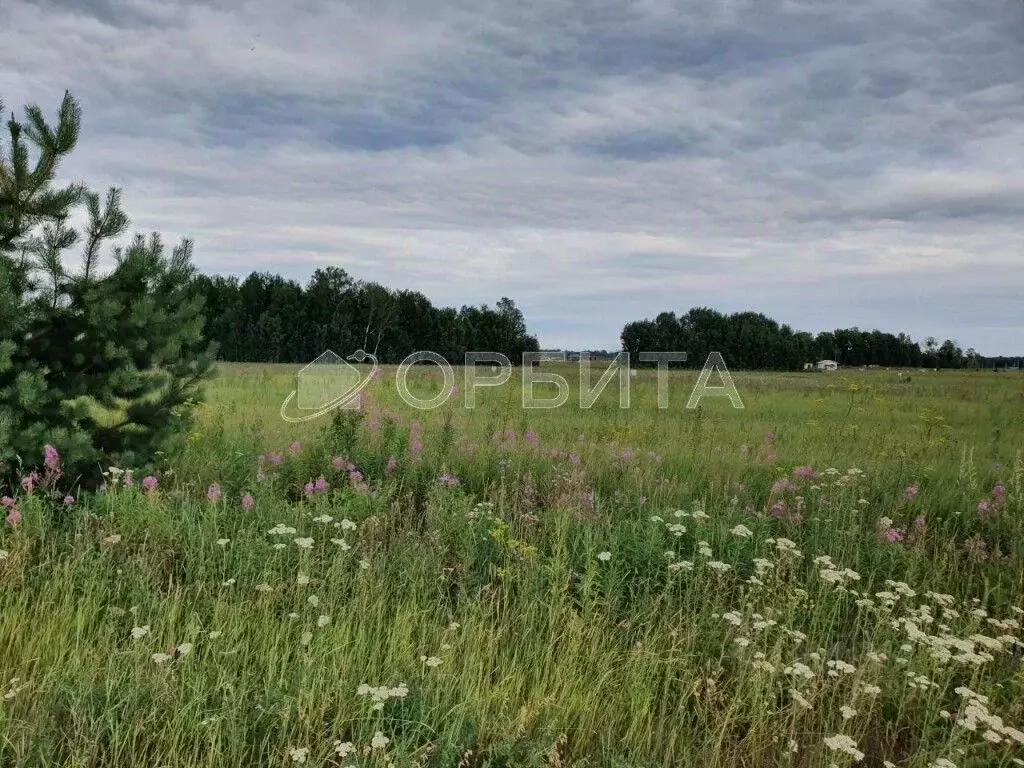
(266, 318)
(752, 341)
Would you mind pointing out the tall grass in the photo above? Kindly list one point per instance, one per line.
(600, 587)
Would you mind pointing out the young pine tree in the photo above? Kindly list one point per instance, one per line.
(101, 365)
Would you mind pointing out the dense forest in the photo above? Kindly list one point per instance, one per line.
(751, 341)
(267, 318)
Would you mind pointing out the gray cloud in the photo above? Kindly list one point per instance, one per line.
(825, 162)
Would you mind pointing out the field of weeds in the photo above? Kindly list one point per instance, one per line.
(831, 576)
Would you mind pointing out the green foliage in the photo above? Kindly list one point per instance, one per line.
(102, 365)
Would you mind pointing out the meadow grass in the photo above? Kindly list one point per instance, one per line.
(830, 576)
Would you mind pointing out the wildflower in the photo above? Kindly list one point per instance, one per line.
(392, 464)
(13, 515)
(69, 500)
(532, 438)
(149, 483)
(281, 530)
(313, 600)
(379, 741)
(304, 542)
(431, 661)
(604, 557)
(345, 546)
(364, 564)
(140, 632)
(295, 447)
(306, 638)
(344, 748)
(843, 743)
(338, 463)
(298, 754)
(910, 492)
(302, 579)
(323, 620)
(275, 459)
(347, 525)
(248, 502)
(161, 658)
(213, 492)
(806, 472)
(448, 480)
(895, 534)
(742, 532)
(112, 539)
(847, 712)
(223, 542)
(717, 565)
(214, 634)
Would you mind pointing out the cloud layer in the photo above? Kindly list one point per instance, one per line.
(829, 163)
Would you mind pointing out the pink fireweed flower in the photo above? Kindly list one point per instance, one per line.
(574, 459)
(309, 489)
(261, 476)
(448, 480)
(355, 476)
(7, 501)
(321, 484)
(69, 500)
(628, 454)
(510, 434)
(338, 463)
(28, 483)
(275, 459)
(779, 509)
(999, 492)
(128, 481)
(910, 492)
(415, 446)
(248, 502)
(392, 464)
(806, 473)
(51, 459)
(587, 499)
(770, 437)
(295, 447)
(895, 534)
(14, 516)
(985, 508)
(532, 438)
(213, 492)
(149, 483)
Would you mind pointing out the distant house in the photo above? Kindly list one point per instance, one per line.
(827, 365)
(551, 356)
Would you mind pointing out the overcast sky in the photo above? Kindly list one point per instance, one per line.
(829, 163)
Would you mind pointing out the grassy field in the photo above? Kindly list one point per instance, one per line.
(833, 575)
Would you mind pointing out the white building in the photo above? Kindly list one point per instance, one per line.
(827, 365)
